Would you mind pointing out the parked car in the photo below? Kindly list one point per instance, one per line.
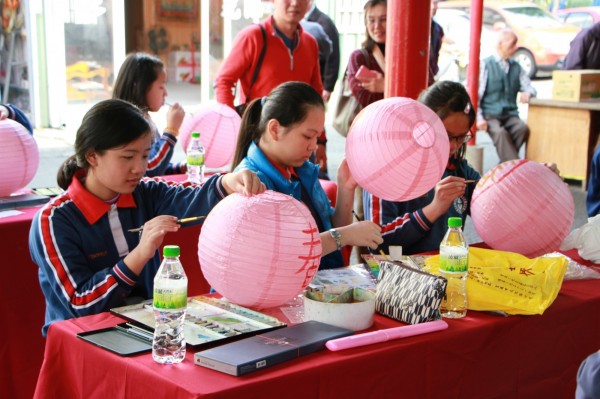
(543, 40)
(454, 53)
(583, 17)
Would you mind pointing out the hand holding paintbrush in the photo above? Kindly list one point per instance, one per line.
(175, 116)
(365, 233)
(385, 257)
(179, 221)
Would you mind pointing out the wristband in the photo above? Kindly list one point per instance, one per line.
(172, 130)
(337, 237)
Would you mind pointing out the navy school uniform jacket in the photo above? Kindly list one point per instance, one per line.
(79, 242)
(403, 223)
(161, 152)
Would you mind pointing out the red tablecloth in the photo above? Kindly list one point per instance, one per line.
(481, 356)
(22, 308)
(22, 303)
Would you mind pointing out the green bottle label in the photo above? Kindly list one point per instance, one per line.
(195, 160)
(169, 298)
(454, 259)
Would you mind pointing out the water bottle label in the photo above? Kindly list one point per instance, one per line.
(454, 260)
(169, 298)
(195, 159)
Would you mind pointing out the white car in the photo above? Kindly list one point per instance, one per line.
(543, 40)
(454, 54)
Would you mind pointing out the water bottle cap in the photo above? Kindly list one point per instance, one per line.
(454, 222)
(170, 251)
(195, 135)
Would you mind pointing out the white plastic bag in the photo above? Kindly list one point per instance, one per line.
(586, 239)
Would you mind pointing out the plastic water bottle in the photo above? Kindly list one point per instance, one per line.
(454, 256)
(170, 303)
(195, 159)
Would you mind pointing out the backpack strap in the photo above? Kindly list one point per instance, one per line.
(261, 57)
(379, 58)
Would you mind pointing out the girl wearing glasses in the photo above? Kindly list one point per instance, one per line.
(419, 225)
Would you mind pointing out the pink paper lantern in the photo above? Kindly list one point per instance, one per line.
(259, 251)
(397, 149)
(218, 126)
(19, 157)
(522, 206)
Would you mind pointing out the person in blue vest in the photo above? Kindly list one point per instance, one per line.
(278, 134)
(501, 80)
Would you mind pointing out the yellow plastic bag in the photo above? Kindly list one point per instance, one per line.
(509, 282)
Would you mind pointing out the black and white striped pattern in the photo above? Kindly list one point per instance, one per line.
(408, 294)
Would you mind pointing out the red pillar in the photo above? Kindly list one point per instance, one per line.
(407, 47)
(475, 46)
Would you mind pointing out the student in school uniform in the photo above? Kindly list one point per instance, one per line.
(89, 261)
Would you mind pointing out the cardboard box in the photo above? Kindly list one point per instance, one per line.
(580, 85)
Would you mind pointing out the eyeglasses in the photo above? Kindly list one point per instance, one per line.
(462, 139)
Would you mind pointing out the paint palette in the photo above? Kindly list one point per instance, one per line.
(208, 321)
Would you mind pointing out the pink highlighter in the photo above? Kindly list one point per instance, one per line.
(365, 73)
(385, 335)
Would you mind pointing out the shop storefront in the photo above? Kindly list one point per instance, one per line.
(59, 57)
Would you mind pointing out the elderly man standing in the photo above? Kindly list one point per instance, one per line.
(500, 81)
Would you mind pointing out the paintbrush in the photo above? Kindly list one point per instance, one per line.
(385, 257)
(180, 221)
(169, 104)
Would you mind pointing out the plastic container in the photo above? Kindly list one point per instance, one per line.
(454, 263)
(170, 303)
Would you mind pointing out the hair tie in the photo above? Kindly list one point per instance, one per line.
(263, 101)
(467, 108)
(71, 164)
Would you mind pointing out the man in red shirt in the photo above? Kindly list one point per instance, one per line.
(291, 55)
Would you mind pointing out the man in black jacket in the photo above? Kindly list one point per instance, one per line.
(330, 68)
(584, 52)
